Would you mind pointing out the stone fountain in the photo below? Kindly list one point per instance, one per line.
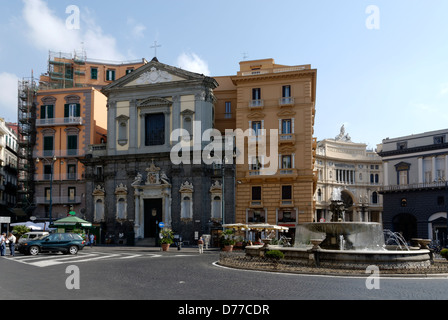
(352, 245)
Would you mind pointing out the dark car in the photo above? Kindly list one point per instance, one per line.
(63, 242)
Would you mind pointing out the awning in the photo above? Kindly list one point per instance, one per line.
(72, 221)
(266, 226)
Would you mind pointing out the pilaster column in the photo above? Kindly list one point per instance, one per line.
(420, 170)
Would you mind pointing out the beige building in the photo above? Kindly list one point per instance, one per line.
(354, 171)
(264, 96)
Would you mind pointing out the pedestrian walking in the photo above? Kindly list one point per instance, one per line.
(201, 245)
(92, 239)
(12, 243)
(3, 244)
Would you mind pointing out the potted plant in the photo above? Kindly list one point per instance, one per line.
(227, 240)
(167, 238)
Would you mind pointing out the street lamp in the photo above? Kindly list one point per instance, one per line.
(51, 163)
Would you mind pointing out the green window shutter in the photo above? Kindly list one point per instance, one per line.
(72, 142)
(50, 110)
(48, 143)
(42, 112)
(66, 110)
(78, 110)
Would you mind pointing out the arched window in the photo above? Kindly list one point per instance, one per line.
(99, 210)
(375, 197)
(186, 208)
(216, 207)
(121, 209)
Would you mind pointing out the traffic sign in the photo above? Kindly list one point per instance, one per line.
(161, 225)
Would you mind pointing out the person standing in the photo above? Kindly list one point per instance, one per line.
(201, 245)
(3, 244)
(12, 243)
(92, 239)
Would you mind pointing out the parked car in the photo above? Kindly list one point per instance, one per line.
(33, 235)
(55, 242)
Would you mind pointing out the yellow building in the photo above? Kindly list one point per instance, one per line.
(282, 98)
(71, 115)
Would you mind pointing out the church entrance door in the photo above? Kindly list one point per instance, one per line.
(153, 215)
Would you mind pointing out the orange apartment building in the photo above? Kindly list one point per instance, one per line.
(265, 95)
(71, 115)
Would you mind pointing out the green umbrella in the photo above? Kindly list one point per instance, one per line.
(72, 221)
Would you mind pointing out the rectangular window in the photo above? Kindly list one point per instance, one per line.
(256, 193)
(286, 216)
(439, 140)
(48, 168)
(71, 194)
(110, 75)
(47, 112)
(256, 216)
(94, 73)
(286, 192)
(72, 110)
(228, 113)
(72, 145)
(286, 126)
(47, 194)
(286, 91)
(71, 172)
(154, 129)
(256, 126)
(403, 177)
(286, 162)
(256, 94)
(48, 146)
(128, 71)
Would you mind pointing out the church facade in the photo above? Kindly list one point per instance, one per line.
(134, 182)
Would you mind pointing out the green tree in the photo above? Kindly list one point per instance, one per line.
(20, 230)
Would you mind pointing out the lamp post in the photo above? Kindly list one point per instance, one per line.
(51, 163)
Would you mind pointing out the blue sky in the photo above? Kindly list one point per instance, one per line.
(385, 82)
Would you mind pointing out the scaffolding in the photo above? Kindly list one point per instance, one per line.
(65, 70)
(27, 92)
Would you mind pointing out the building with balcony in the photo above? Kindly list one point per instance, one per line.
(357, 173)
(70, 115)
(415, 192)
(277, 185)
(8, 168)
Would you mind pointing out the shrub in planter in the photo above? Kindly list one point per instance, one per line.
(274, 255)
(444, 253)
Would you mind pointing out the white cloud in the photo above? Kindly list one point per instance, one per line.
(47, 31)
(8, 96)
(444, 88)
(137, 29)
(192, 62)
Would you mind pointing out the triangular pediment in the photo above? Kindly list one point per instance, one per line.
(154, 73)
(153, 76)
(154, 102)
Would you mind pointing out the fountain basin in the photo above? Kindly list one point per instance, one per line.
(347, 245)
(349, 259)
